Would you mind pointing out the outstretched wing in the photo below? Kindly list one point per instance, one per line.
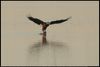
(59, 21)
(37, 21)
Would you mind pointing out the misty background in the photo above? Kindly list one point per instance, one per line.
(74, 42)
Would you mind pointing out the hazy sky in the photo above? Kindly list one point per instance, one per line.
(80, 32)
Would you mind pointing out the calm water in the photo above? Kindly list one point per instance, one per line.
(75, 42)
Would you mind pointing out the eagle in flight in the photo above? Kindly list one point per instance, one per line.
(46, 24)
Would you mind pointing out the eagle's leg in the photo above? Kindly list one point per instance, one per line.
(44, 40)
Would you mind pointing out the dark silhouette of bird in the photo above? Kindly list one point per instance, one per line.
(46, 24)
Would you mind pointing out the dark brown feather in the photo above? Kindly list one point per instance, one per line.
(37, 21)
(59, 21)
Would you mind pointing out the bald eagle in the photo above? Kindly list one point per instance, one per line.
(45, 24)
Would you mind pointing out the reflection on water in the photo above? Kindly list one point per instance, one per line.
(52, 53)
